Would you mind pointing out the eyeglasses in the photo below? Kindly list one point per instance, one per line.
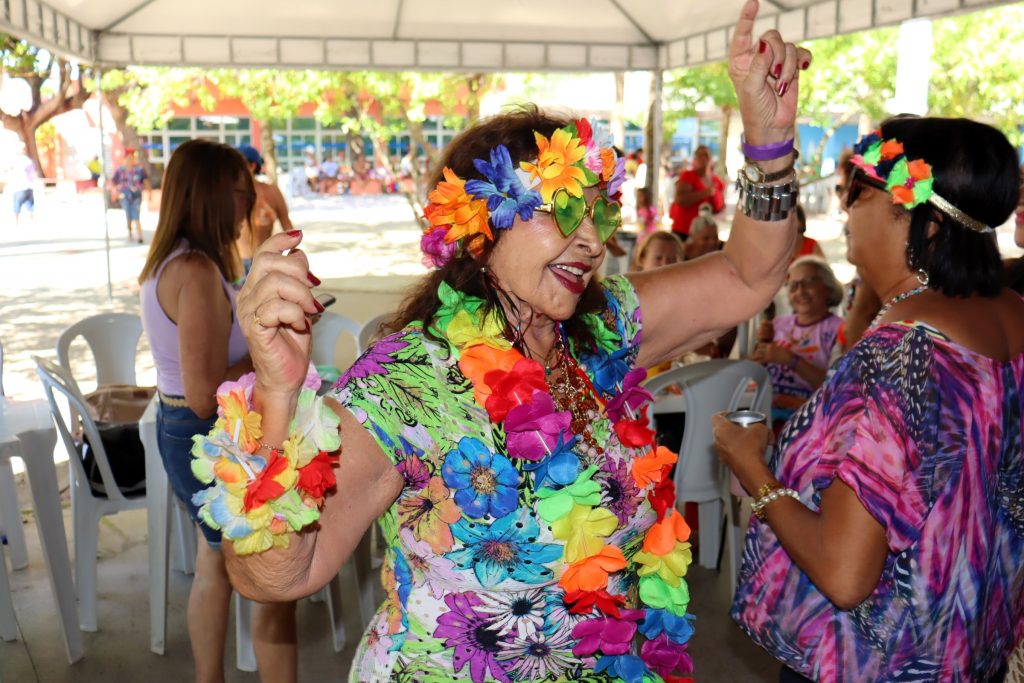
(809, 283)
(569, 212)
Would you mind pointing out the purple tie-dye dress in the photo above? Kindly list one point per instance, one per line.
(928, 436)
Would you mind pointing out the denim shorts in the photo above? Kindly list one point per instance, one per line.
(175, 428)
(24, 199)
(132, 205)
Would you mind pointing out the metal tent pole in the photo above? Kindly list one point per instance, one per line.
(103, 190)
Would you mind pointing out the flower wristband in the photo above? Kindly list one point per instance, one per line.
(776, 150)
(256, 501)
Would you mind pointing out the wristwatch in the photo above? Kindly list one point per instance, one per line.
(755, 174)
(767, 200)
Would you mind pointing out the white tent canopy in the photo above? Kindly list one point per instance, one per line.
(435, 35)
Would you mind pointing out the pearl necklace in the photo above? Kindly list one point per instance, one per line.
(897, 299)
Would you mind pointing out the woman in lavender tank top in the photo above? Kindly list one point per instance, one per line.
(890, 543)
(189, 316)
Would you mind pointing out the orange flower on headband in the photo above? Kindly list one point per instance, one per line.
(917, 170)
(891, 149)
(555, 167)
(450, 205)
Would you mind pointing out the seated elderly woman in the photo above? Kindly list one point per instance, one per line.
(500, 434)
(703, 237)
(802, 343)
(889, 530)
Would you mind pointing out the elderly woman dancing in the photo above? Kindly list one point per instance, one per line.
(500, 434)
(890, 527)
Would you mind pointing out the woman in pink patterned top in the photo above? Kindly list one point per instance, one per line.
(889, 534)
(801, 343)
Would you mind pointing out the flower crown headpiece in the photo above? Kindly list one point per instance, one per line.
(910, 182)
(462, 212)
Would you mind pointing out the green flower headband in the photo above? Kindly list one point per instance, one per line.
(910, 182)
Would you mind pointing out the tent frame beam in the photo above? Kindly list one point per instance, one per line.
(40, 24)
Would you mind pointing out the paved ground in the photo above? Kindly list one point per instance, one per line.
(54, 272)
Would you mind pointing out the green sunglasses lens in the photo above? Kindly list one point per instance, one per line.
(607, 218)
(569, 212)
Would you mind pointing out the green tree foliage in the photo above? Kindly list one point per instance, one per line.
(56, 85)
(978, 68)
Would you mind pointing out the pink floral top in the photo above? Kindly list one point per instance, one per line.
(928, 436)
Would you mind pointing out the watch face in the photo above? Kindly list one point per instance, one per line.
(752, 173)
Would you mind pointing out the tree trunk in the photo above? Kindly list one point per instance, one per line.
(129, 135)
(357, 152)
(380, 146)
(269, 151)
(723, 140)
(819, 152)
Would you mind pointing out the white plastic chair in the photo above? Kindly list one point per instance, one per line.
(326, 333)
(8, 624)
(370, 332)
(86, 507)
(161, 504)
(709, 388)
(10, 512)
(113, 338)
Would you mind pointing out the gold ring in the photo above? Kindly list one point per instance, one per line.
(256, 319)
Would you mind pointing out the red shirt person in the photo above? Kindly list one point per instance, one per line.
(694, 188)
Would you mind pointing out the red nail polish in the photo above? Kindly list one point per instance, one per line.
(313, 279)
(805, 65)
(778, 70)
(319, 306)
(762, 46)
(295, 233)
(783, 88)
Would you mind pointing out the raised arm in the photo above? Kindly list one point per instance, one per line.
(687, 305)
(274, 309)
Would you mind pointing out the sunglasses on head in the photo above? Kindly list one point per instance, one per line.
(569, 212)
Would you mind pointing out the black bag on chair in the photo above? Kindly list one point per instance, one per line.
(126, 456)
(116, 410)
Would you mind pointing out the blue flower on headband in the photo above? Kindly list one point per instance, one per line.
(505, 193)
(865, 142)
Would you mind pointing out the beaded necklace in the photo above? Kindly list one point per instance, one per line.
(897, 299)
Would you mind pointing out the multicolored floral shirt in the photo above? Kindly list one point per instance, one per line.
(928, 436)
(472, 571)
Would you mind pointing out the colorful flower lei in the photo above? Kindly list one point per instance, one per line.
(909, 181)
(255, 500)
(513, 391)
(461, 213)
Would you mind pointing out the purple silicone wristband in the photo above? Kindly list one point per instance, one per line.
(766, 152)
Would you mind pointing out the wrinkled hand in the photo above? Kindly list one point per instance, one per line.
(274, 308)
(742, 450)
(765, 74)
(774, 353)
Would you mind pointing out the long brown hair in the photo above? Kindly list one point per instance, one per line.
(467, 273)
(198, 204)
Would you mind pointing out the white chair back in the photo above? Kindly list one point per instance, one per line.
(56, 381)
(708, 388)
(326, 332)
(113, 339)
(370, 331)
